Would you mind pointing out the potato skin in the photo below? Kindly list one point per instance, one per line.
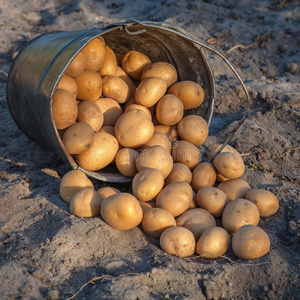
(95, 53)
(234, 188)
(116, 88)
(203, 175)
(250, 242)
(125, 161)
(180, 172)
(77, 66)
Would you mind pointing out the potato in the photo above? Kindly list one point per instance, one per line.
(121, 211)
(194, 203)
(196, 220)
(90, 113)
(64, 109)
(147, 183)
(193, 129)
(186, 153)
(156, 220)
(180, 173)
(133, 129)
(160, 139)
(203, 175)
(146, 205)
(155, 157)
(175, 198)
(178, 241)
(215, 148)
(266, 201)
(133, 63)
(125, 161)
(89, 85)
(123, 75)
(107, 191)
(108, 129)
(141, 107)
(220, 178)
(212, 199)
(78, 138)
(110, 109)
(109, 66)
(149, 91)
(213, 243)
(68, 83)
(162, 70)
(77, 65)
(101, 154)
(85, 203)
(250, 242)
(239, 212)
(116, 88)
(229, 165)
(95, 53)
(189, 92)
(169, 131)
(234, 188)
(72, 182)
(169, 110)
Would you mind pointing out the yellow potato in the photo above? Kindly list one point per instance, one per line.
(155, 157)
(125, 161)
(160, 139)
(90, 113)
(146, 205)
(101, 154)
(78, 138)
(110, 109)
(141, 107)
(156, 221)
(109, 66)
(108, 129)
(121, 211)
(64, 109)
(227, 148)
(123, 75)
(169, 131)
(106, 191)
(116, 88)
(147, 183)
(180, 173)
(95, 53)
(203, 175)
(196, 220)
(72, 182)
(234, 188)
(178, 241)
(190, 93)
(68, 83)
(77, 66)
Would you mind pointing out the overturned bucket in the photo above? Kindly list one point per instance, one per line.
(37, 70)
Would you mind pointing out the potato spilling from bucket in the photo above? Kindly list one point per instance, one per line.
(125, 110)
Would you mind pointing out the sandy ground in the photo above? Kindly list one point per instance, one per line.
(46, 253)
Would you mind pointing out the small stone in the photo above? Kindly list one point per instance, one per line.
(292, 68)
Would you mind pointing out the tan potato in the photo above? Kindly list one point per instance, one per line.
(72, 182)
(106, 191)
(150, 90)
(180, 173)
(85, 203)
(212, 199)
(229, 165)
(133, 129)
(220, 178)
(89, 85)
(133, 63)
(234, 188)
(203, 175)
(147, 183)
(227, 148)
(78, 138)
(213, 243)
(250, 242)
(189, 92)
(175, 198)
(162, 70)
(64, 109)
(155, 157)
(108, 129)
(178, 241)
(159, 139)
(123, 75)
(156, 221)
(196, 220)
(101, 39)
(125, 161)
(239, 212)
(141, 107)
(186, 153)
(121, 211)
(110, 109)
(193, 129)
(146, 205)
(101, 154)
(169, 110)
(77, 65)
(169, 131)
(116, 88)
(68, 83)
(194, 203)
(90, 113)
(266, 201)
(95, 53)
(109, 66)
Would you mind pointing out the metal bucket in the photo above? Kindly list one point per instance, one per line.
(37, 70)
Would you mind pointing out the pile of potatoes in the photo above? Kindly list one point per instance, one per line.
(131, 112)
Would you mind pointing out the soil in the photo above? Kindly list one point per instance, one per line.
(47, 253)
